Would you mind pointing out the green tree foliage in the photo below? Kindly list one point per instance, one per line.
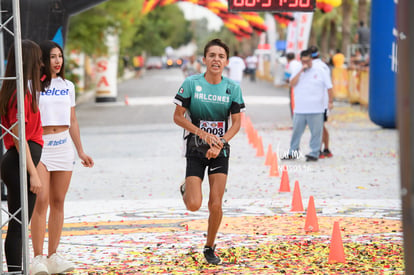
(164, 26)
(322, 33)
(86, 30)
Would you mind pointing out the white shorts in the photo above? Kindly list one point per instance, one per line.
(58, 153)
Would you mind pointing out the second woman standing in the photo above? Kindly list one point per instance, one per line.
(60, 128)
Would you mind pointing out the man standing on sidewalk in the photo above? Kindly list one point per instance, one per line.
(205, 102)
(310, 83)
(251, 63)
(236, 67)
(362, 37)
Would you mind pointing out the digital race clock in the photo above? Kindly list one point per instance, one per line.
(272, 5)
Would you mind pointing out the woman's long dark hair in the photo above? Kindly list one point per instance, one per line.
(32, 62)
(46, 47)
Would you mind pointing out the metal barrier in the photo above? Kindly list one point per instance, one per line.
(353, 48)
(351, 85)
(22, 135)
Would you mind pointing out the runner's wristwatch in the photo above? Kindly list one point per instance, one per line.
(226, 147)
(224, 141)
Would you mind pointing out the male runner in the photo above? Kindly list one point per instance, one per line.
(205, 102)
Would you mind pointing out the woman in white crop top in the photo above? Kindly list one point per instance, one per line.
(60, 128)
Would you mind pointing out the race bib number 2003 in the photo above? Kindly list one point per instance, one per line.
(213, 127)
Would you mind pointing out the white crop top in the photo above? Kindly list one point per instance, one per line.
(55, 103)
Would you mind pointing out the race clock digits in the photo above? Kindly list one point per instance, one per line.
(272, 5)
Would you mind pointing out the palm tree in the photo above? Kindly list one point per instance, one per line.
(347, 6)
(324, 29)
(363, 11)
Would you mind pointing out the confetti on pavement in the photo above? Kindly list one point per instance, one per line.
(247, 245)
(248, 255)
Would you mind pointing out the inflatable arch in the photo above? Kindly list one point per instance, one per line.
(383, 64)
(241, 24)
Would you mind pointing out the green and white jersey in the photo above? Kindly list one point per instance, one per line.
(209, 106)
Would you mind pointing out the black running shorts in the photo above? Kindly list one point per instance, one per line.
(196, 166)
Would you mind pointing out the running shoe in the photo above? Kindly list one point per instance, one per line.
(311, 158)
(210, 256)
(39, 266)
(57, 264)
(321, 155)
(327, 153)
(182, 188)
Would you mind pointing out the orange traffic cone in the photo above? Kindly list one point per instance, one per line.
(248, 124)
(248, 121)
(311, 223)
(274, 167)
(255, 137)
(268, 161)
(284, 181)
(336, 248)
(126, 100)
(249, 132)
(260, 151)
(297, 205)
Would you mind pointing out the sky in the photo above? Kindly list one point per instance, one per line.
(192, 11)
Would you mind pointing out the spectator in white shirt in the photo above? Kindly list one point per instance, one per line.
(251, 62)
(310, 83)
(236, 68)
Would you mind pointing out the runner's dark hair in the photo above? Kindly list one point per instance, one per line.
(217, 42)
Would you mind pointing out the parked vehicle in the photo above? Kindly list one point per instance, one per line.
(153, 62)
(173, 62)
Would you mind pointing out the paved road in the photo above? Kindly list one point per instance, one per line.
(138, 145)
(150, 102)
(127, 211)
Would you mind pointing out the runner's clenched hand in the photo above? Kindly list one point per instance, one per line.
(212, 140)
(213, 152)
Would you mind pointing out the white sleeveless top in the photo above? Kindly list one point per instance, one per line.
(55, 103)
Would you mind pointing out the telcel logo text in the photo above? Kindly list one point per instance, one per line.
(56, 92)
